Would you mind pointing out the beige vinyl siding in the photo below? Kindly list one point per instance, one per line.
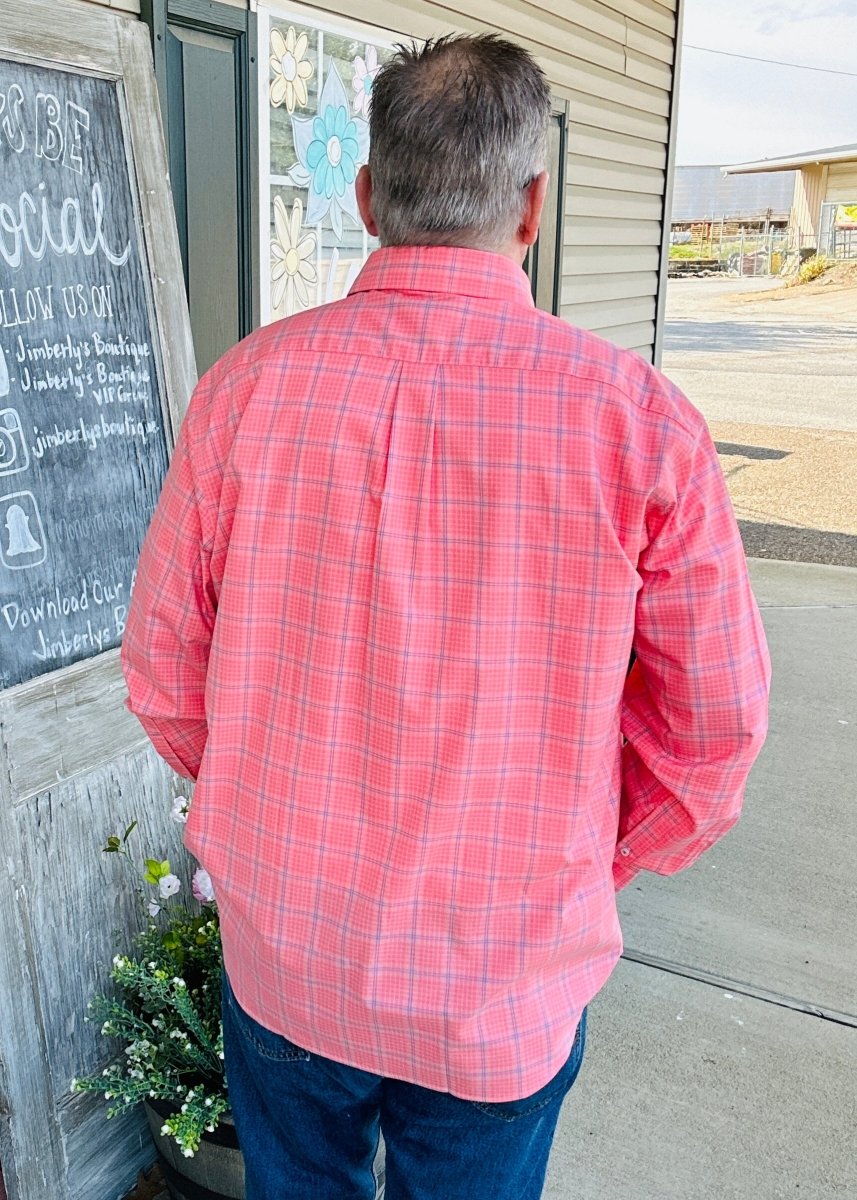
(612, 63)
(842, 183)
(810, 185)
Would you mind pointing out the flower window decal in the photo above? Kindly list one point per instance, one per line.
(314, 137)
(291, 70)
(329, 148)
(365, 69)
(291, 255)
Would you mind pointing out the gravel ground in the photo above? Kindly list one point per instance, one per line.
(775, 373)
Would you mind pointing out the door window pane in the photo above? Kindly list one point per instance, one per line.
(314, 132)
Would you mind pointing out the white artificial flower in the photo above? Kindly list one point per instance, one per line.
(154, 908)
(202, 887)
(179, 810)
(168, 886)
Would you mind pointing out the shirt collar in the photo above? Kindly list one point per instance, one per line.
(446, 269)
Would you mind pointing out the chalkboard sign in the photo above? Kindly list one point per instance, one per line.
(83, 445)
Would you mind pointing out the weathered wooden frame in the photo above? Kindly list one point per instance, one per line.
(111, 46)
(71, 757)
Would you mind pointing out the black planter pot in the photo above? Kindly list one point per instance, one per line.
(216, 1171)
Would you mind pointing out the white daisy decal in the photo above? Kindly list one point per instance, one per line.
(289, 68)
(292, 267)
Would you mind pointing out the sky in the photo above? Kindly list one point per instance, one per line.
(733, 111)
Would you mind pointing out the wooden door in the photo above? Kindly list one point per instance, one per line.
(97, 368)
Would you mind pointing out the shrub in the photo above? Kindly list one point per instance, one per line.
(812, 269)
(165, 1009)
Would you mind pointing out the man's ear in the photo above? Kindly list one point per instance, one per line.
(535, 193)
(363, 187)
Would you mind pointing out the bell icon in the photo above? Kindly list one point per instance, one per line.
(21, 541)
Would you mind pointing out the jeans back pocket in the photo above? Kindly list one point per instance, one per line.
(555, 1090)
(269, 1045)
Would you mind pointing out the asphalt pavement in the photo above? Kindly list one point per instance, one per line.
(774, 372)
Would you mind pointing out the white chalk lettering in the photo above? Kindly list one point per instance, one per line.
(32, 227)
(58, 604)
(66, 644)
(23, 308)
(122, 347)
(11, 118)
(49, 137)
(67, 350)
(66, 381)
(92, 436)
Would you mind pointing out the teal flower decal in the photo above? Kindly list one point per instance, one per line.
(332, 154)
(330, 147)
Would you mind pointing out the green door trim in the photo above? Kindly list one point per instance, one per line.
(225, 21)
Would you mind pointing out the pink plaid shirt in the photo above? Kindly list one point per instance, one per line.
(384, 615)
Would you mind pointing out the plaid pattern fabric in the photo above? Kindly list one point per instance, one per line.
(384, 613)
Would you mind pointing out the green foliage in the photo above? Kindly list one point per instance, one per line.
(155, 870)
(165, 1014)
(116, 845)
(684, 252)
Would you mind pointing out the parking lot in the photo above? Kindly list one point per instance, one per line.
(774, 372)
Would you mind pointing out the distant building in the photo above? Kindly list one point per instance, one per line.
(824, 202)
(704, 195)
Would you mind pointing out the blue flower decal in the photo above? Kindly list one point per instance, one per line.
(332, 154)
(330, 147)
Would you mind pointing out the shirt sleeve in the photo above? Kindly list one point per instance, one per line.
(167, 640)
(694, 710)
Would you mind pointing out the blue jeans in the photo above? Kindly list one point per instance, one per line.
(309, 1127)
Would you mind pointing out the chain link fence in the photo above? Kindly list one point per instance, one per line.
(718, 247)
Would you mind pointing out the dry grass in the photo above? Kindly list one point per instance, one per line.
(819, 271)
(811, 270)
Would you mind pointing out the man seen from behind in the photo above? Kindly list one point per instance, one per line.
(383, 617)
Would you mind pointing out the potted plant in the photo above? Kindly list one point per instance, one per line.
(165, 1012)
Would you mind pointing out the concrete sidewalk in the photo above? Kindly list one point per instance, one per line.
(722, 1055)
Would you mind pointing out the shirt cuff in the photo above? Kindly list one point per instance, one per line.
(180, 742)
(624, 870)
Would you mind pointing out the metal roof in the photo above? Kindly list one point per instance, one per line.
(794, 162)
(706, 194)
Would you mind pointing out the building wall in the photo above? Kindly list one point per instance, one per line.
(129, 6)
(705, 194)
(613, 62)
(810, 186)
(841, 183)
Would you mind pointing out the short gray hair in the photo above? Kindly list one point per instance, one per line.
(458, 129)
